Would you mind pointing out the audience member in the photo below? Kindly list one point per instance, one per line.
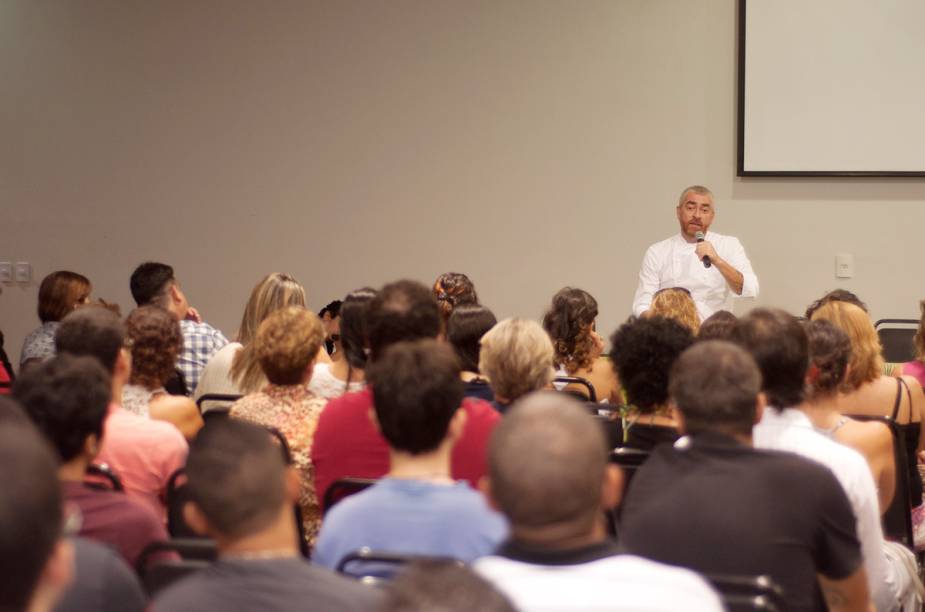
(347, 444)
(36, 561)
(155, 340)
(643, 351)
(59, 294)
(235, 369)
(452, 289)
(103, 582)
(417, 508)
(286, 346)
(464, 330)
(142, 452)
(779, 345)
(67, 398)
(829, 351)
(571, 324)
(718, 326)
(836, 295)
(442, 586)
(916, 367)
(155, 284)
(6, 370)
(345, 373)
(330, 318)
(241, 495)
(517, 357)
(742, 511)
(675, 303)
(550, 476)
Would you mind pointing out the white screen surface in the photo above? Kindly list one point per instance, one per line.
(833, 86)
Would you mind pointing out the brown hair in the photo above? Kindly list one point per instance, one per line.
(156, 342)
(568, 323)
(287, 341)
(676, 303)
(829, 353)
(452, 289)
(60, 292)
(866, 363)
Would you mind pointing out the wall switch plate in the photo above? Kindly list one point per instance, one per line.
(22, 271)
(844, 265)
(6, 272)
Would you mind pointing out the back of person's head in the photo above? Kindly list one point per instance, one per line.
(354, 326)
(331, 310)
(715, 386)
(547, 460)
(452, 289)
(866, 363)
(150, 282)
(67, 398)
(156, 341)
(287, 343)
(777, 342)
(236, 478)
(676, 303)
(464, 329)
(403, 311)
(569, 322)
(836, 295)
(718, 326)
(95, 331)
(60, 293)
(416, 392)
(442, 586)
(31, 516)
(642, 352)
(517, 357)
(829, 353)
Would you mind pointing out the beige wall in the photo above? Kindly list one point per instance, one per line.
(529, 144)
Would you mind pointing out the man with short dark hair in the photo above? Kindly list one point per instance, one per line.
(67, 397)
(718, 506)
(779, 344)
(347, 444)
(417, 508)
(549, 475)
(143, 452)
(241, 494)
(155, 283)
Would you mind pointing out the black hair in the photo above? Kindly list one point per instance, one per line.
(567, 320)
(718, 326)
(464, 329)
(402, 311)
(332, 308)
(444, 586)
(416, 391)
(354, 326)
(779, 345)
(67, 398)
(149, 280)
(94, 331)
(829, 352)
(836, 295)
(642, 352)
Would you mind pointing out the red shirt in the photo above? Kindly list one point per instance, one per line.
(347, 445)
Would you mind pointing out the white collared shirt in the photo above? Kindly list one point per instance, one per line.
(673, 263)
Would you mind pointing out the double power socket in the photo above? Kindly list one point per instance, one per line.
(19, 272)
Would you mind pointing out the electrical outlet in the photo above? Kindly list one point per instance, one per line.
(22, 271)
(844, 265)
(6, 272)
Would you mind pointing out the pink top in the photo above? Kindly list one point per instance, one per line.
(143, 453)
(915, 369)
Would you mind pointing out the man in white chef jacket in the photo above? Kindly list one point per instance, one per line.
(679, 261)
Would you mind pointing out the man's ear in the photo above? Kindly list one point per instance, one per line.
(457, 426)
(293, 485)
(612, 487)
(123, 369)
(92, 446)
(176, 296)
(678, 416)
(196, 519)
(761, 402)
(486, 490)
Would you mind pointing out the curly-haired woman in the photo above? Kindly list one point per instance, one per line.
(570, 323)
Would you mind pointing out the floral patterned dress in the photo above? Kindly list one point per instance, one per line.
(294, 411)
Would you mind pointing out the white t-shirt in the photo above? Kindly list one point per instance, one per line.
(326, 385)
(673, 263)
(612, 583)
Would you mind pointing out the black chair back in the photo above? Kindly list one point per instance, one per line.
(344, 487)
(896, 337)
(100, 476)
(577, 380)
(743, 593)
(159, 573)
(223, 401)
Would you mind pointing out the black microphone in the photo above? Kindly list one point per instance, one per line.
(706, 258)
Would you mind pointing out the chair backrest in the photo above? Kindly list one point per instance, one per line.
(897, 520)
(343, 487)
(577, 380)
(742, 593)
(373, 567)
(101, 476)
(158, 572)
(223, 401)
(896, 337)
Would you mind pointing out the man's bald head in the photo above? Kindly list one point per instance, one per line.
(547, 460)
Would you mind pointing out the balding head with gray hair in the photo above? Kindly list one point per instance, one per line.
(548, 464)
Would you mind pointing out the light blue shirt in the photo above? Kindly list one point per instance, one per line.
(411, 517)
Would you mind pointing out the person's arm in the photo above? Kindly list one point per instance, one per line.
(648, 281)
(847, 595)
(735, 267)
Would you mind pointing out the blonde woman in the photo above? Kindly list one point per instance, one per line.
(570, 322)
(676, 303)
(517, 356)
(235, 368)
